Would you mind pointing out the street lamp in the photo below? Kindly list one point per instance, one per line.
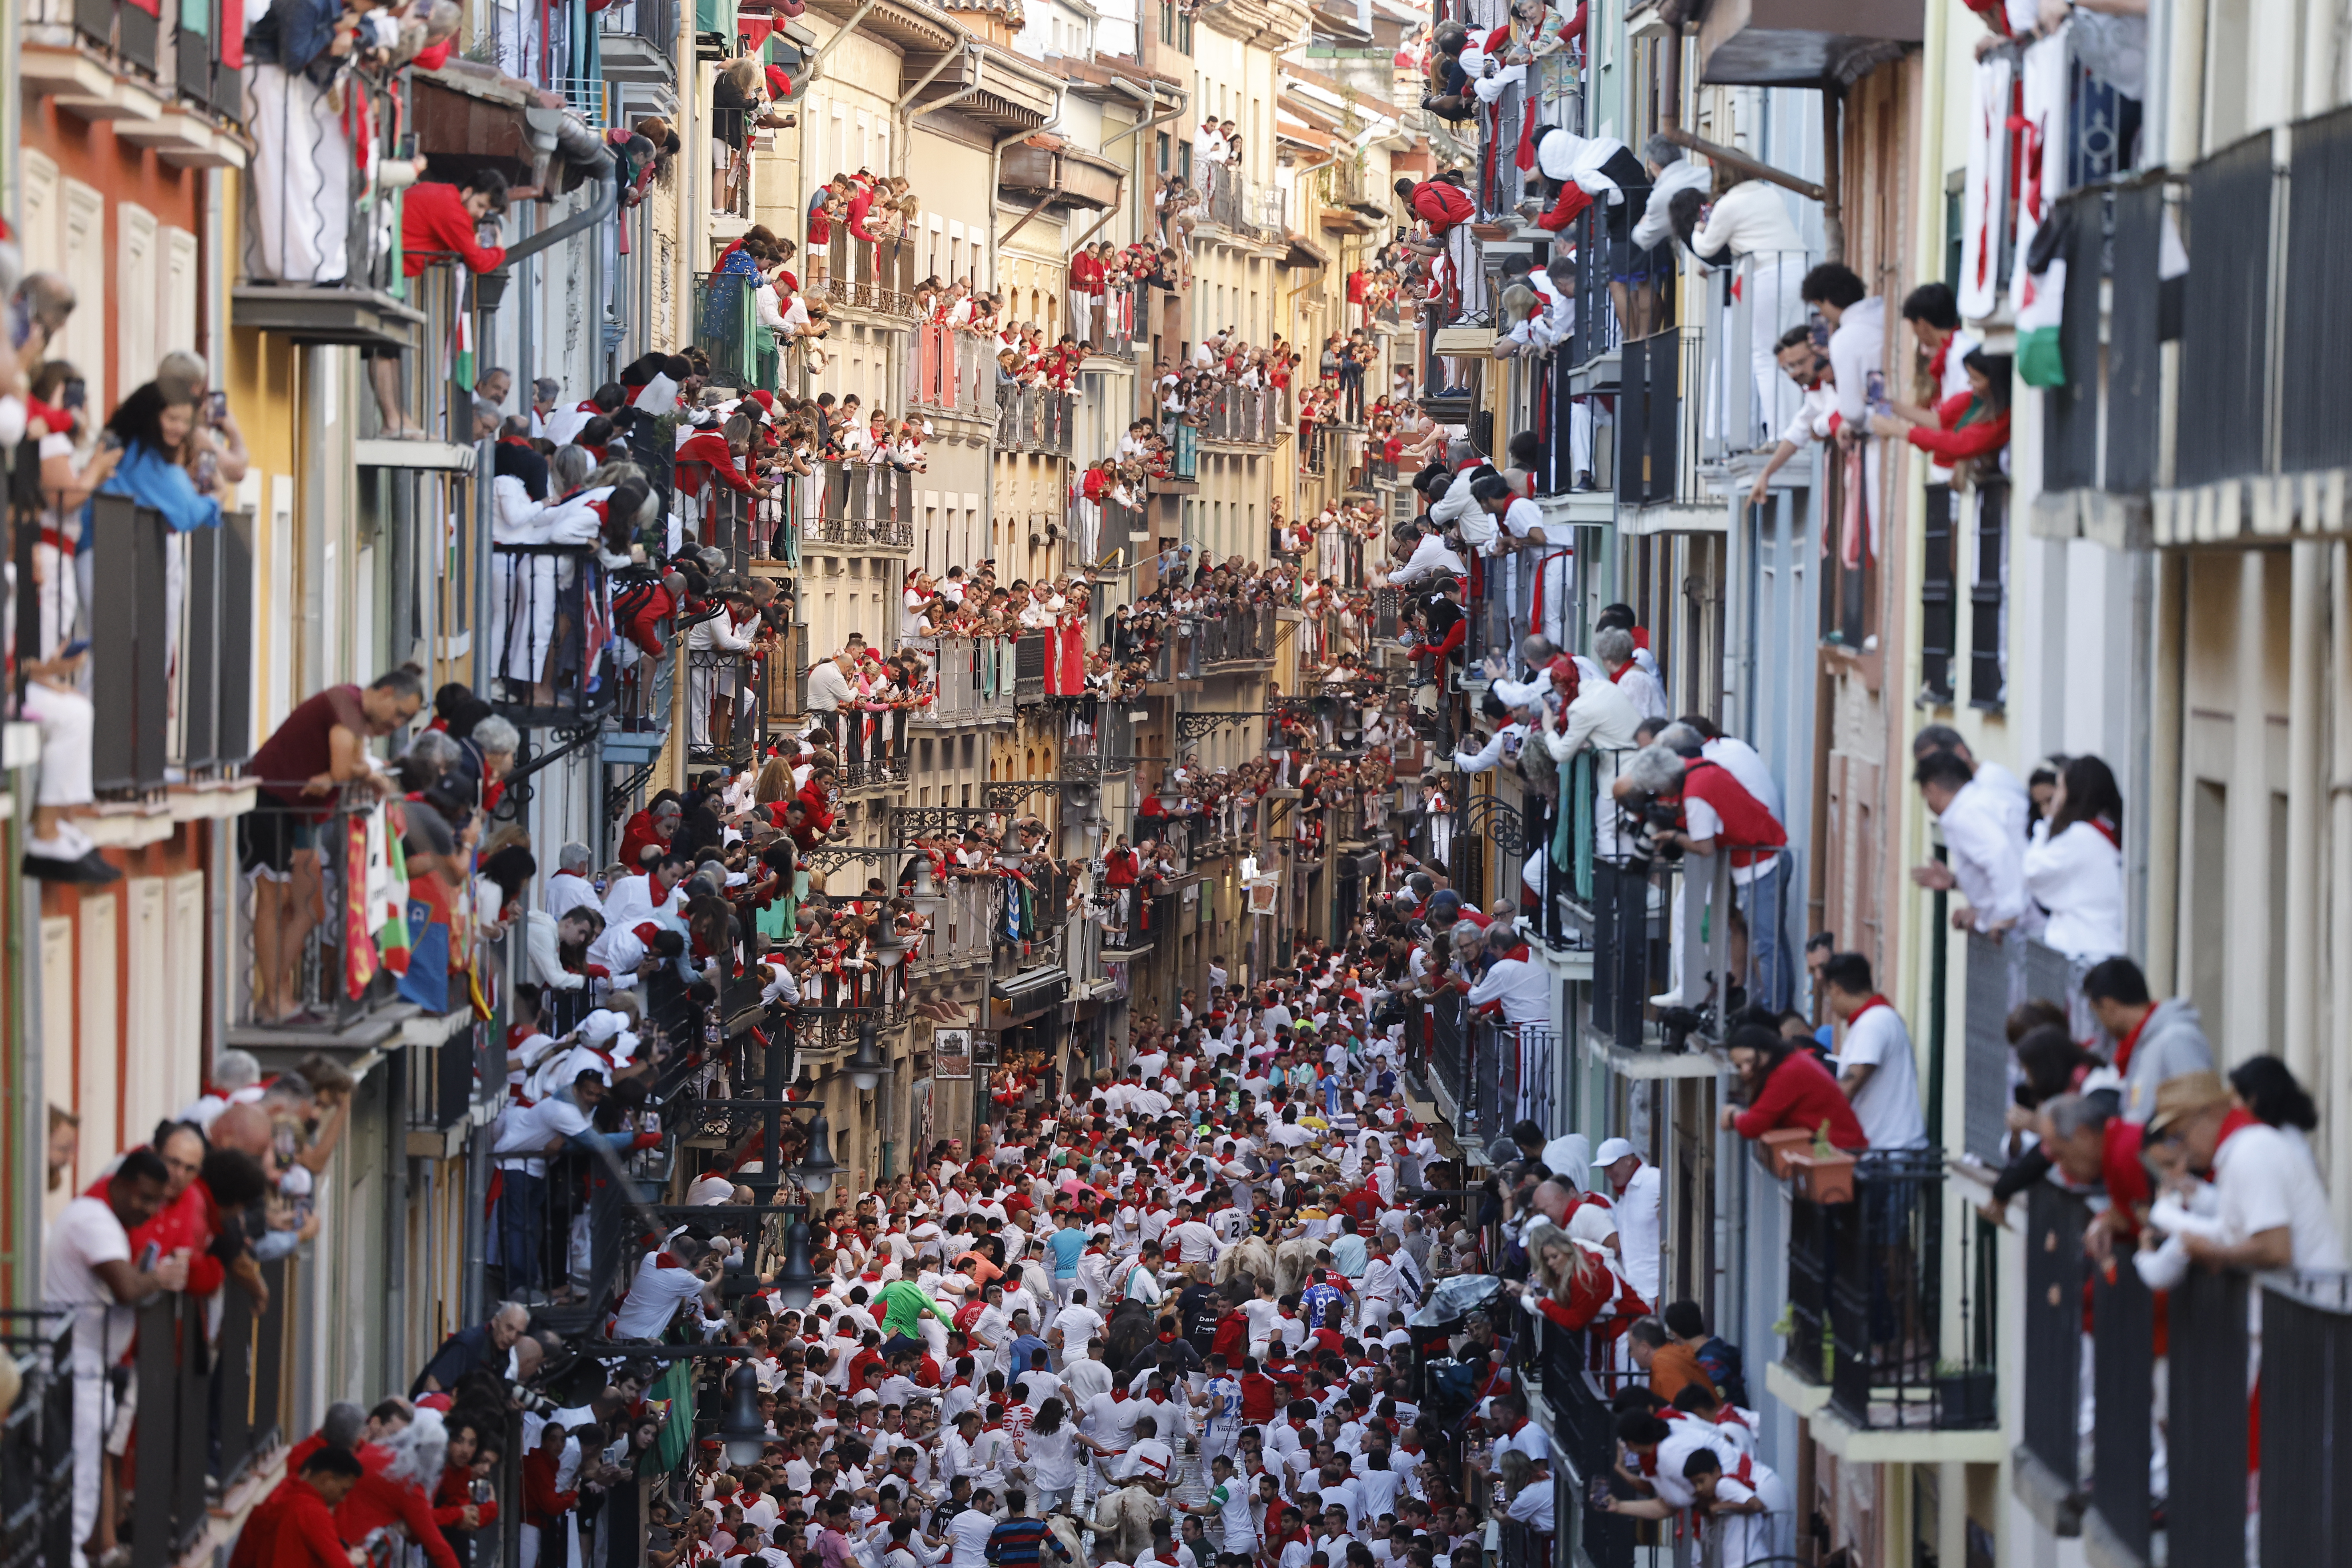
(796, 1280)
(925, 895)
(866, 1067)
(744, 1430)
(818, 1170)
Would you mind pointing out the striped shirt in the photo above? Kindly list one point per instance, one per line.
(1022, 1542)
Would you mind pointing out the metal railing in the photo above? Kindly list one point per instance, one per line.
(958, 933)
(1241, 415)
(1866, 1295)
(204, 1412)
(951, 370)
(1660, 408)
(870, 275)
(36, 1447)
(1035, 418)
(2055, 1281)
(1246, 208)
(1241, 636)
(863, 505)
(1112, 323)
(549, 604)
(974, 680)
(723, 722)
(338, 978)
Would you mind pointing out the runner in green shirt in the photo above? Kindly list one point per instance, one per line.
(903, 1306)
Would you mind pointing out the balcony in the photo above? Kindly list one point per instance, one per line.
(958, 936)
(161, 716)
(1058, 176)
(1036, 419)
(877, 278)
(863, 505)
(1803, 43)
(1117, 321)
(158, 81)
(1233, 642)
(1243, 416)
(634, 39)
(1892, 1362)
(547, 665)
(951, 373)
(2100, 429)
(975, 683)
(1660, 406)
(1491, 1074)
(1103, 746)
(727, 328)
(2268, 446)
(724, 727)
(1258, 215)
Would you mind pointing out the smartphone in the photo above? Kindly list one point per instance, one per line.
(76, 648)
(75, 394)
(147, 1254)
(215, 408)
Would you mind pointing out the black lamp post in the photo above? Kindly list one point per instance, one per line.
(743, 1429)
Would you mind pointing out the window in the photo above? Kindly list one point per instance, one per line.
(1937, 610)
(1989, 609)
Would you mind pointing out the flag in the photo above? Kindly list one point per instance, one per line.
(426, 981)
(2040, 309)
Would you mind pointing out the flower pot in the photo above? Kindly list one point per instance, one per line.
(1967, 1399)
(1822, 1178)
(1781, 1142)
(1491, 231)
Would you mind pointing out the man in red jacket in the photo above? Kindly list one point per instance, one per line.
(302, 1531)
(440, 221)
(1441, 202)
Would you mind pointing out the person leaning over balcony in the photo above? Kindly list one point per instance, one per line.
(320, 747)
(91, 1280)
(2074, 868)
(1442, 202)
(2273, 1211)
(1987, 862)
(1971, 428)
(1857, 322)
(2154, 1040)
(438, 221)
(1876, 1065)
(1786, 1086)
(1803, 362)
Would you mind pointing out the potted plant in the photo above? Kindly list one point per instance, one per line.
(1491, 231)
(1965, 1395)
(1780, 1144)
(1821, 1174)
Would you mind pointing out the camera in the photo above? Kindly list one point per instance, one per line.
(1646, 816)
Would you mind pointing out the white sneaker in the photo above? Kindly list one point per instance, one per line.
(1667, 998)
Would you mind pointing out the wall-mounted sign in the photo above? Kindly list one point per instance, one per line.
(951, 1056)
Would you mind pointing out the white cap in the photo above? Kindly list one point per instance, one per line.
(1611, 1152)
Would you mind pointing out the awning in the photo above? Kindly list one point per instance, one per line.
(1305, 252)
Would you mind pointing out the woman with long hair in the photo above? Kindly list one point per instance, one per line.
(2074, 865)
(1786, 1085)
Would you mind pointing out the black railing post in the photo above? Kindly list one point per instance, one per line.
(2053, 1330)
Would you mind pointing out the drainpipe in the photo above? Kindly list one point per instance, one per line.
(906, 111)
(996, 173)
(1832, 214)
(1670, 85)
(816, 61)
(1148, 98)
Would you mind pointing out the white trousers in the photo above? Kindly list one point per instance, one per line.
(300, 181)
(66, 721)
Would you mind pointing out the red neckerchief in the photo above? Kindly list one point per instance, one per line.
(1119, 1393)
(1872, 1000)
(2124, 1046)
(2107, 831)
(2237, 1122)
(1619, 673)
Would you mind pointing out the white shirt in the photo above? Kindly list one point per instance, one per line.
(1656, 222)
(1524, 989)
(566, 892)
(2263, 1181)
(1638, 1231)
(1429, 557)
(1739, 759)
(1856, 349)
(1748, 218)
(85, 1235)
(1507, 739)
(2077, 877)
(630, 900)
(655, 1296)
(1642, 690)
(1888, 1106)
(1987, 859)
(968, 1534)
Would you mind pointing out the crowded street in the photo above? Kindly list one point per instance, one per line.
(1175, 784)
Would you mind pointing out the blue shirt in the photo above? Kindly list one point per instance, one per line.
(1348, 1253)
(1067, 1245)
(1318, 1302)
